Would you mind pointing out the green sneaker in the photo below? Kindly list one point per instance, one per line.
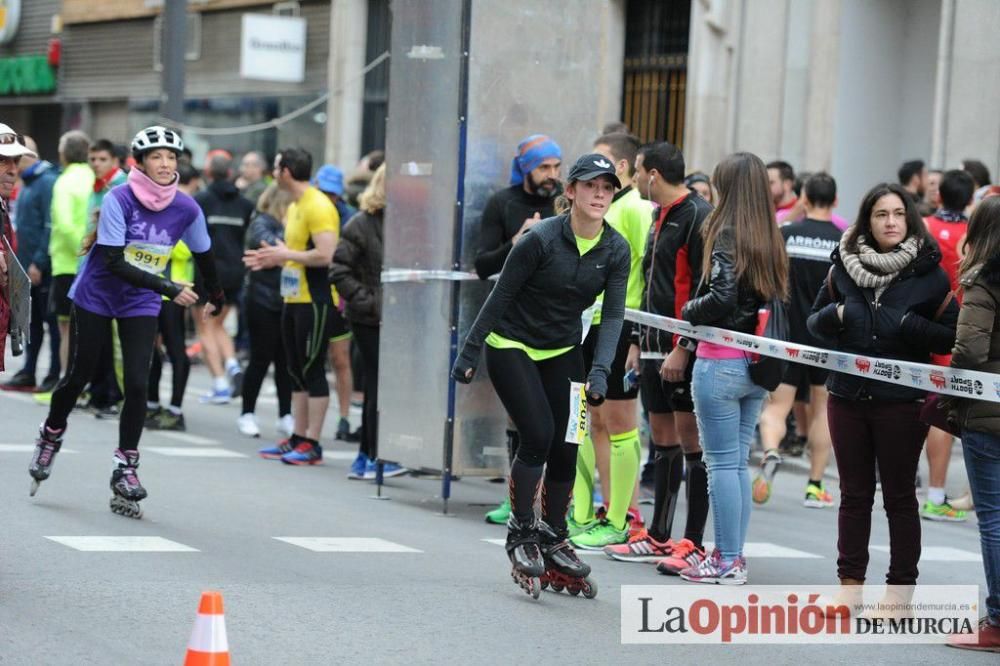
(576, 528)
(167, 420)
(600, 535)
(942, 512)
(499, 515)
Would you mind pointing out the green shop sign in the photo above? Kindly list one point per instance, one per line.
(26, 75)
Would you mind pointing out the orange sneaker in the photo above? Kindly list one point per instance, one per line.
(640, 548)
(684, 554)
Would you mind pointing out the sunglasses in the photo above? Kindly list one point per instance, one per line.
(7, 139)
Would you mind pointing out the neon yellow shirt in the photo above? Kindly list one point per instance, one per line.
(631, 216)
(312, 214)
(181, 267)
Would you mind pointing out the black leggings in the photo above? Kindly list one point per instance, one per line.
(88, 334)
(305, 332)
(536, 397)
(171, 326)
(366, 338)
(264, 329)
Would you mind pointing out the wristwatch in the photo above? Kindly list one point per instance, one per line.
(687, 344)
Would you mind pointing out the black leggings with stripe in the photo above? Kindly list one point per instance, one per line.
(305, 332)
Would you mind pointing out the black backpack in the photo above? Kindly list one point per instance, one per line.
(767, 372)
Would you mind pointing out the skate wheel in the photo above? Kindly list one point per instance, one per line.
(34, 487)
(536, 587)
(575, 591)
(545, 584)
(557, 587)
(589, 588)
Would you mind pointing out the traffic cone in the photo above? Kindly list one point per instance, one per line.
(208, 645)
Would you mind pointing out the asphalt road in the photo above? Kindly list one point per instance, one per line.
(398, 582)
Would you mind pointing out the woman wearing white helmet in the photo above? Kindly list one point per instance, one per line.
(122, 279)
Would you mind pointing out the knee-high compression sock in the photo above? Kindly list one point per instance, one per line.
(555, 502)
(513, 440)
(697, 498)
(626, 452)
(668, 474)
(583, 487)
(523, 487)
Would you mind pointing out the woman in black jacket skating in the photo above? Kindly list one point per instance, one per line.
(885, 297)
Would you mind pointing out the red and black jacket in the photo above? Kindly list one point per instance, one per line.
(672, 265)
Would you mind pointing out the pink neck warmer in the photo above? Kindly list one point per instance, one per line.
(151, 195)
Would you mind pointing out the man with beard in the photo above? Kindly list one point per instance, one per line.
(913, 177)
(509, 213)
(781, 178)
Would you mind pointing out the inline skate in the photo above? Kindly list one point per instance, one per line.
(126, 490)
(564, 570)
(46, 447)
(525, 558)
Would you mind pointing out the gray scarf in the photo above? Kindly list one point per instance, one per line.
(871, 269)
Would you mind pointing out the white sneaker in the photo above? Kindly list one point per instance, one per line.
(247, 423)
(285, 425)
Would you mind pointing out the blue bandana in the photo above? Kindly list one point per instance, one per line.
(531, 152)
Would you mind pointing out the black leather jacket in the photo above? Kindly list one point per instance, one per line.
(722, 300)
(899, 324)
(357, 268)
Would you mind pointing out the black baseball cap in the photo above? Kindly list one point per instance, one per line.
(594, 165)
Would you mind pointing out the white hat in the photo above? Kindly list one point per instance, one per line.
(11, 143)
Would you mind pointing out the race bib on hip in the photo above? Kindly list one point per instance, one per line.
(576, 427)
(148, 257)
(291, 282)
(587, 319)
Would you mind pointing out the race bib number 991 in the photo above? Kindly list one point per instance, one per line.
(148, 257)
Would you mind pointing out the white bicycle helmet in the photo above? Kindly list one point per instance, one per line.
(156, 136)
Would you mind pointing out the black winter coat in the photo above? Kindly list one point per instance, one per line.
(357, 268)
(263, 288)
(228, 216)
(897, 325)
(722, 299)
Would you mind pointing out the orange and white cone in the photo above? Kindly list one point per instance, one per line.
(208, 645)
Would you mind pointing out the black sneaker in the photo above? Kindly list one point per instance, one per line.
(107, 413)
(236, 382)
(48, 384)
(343, 430)
(167, 420)
(152, 418)
(22, 382)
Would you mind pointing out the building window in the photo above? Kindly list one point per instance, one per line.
(655, 76)
(376, 99)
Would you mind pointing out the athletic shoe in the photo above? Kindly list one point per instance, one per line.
(343, 430)
(499, 515)
(167, 420)
(714, 570)
(106, 413)
(684, 555)
(389, 470)
(152, 418)
(636, 525)
(640, 548)
(358, 467)
(817, 497)
(762, 483)
(304, 454)
(247, 424)
(217, 397)
(600, 535)
(48, 384)
(576, 528)
(43, 397)
(942, 512)
(277, 451)
(987, 641)
(285, 425)
(22, 382)
(236, 381)
(793, 445)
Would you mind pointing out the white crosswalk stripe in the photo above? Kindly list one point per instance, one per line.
(28, 448)
(765, 549)
(125, 544)
(347, 545)
(182, 437)
(188, 452)
(940, 554)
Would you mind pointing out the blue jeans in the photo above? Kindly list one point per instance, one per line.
(727, 404)
(982, 462)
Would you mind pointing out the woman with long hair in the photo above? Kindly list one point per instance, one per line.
(745, 267)
(885, 297)
(977, 347)
(121, 280)
(263, 301)
(357, 274)
(532, 331)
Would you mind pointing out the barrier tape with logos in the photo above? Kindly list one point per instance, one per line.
(937, 379)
